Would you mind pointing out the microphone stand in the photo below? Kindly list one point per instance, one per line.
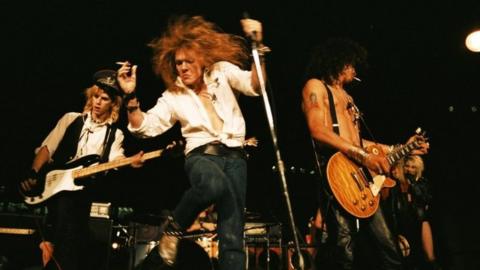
(280, 164)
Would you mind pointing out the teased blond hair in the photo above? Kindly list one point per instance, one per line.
(202, 37)
(114, 111)
(418, 161)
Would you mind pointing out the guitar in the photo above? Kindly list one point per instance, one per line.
(351, 184)
(63, 178)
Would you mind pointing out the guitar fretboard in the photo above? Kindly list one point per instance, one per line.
(399, 153)
(113, 164)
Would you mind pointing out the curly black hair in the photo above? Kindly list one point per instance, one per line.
(328, 60)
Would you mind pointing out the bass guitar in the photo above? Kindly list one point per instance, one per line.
(64, 178)
(356, 188)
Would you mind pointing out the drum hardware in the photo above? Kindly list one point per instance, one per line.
(122, 237)
(259, 232)
(263, 243)
(293, 262)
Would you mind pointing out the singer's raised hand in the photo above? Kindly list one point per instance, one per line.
(127, 77)
(253, 29)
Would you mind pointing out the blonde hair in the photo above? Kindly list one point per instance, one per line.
(399, 174)
(202, 37)
(114, 109)
(418, 161)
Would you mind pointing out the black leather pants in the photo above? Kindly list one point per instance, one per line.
(342, 232)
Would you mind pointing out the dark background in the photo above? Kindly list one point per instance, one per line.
(420, 74)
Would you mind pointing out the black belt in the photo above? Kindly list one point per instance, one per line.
(220, 149)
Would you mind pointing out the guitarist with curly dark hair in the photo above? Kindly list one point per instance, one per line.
(355, 170)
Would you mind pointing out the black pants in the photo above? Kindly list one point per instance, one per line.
(344, 231)
(69, 214)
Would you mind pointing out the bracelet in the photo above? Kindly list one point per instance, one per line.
(358, 154)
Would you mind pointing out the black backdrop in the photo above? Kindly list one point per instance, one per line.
(420, 74)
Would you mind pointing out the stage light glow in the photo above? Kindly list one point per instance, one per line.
(473, 41)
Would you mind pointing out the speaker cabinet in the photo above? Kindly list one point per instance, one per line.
(100, 242)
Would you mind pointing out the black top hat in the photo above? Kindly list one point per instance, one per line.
(107, 80)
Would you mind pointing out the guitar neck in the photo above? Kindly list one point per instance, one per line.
(87, 171)
(401, 152)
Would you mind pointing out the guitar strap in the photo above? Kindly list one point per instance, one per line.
(320, 161)
(321, 164)
(107, 143)
(336, 129)
(333, 113)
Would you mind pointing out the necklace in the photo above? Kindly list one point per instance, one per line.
(96, 121)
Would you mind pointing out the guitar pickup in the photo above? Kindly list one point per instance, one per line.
(357, 181)
(363, 174)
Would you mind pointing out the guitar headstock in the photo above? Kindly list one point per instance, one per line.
(421, 139)
(421, 135)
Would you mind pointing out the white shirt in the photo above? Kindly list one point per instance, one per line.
(224, 82)
(91, 138)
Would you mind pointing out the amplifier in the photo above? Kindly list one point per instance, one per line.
(19, 238)
(260, 232)
(100, 210)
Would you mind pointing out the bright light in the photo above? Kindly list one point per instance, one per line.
(473, 41)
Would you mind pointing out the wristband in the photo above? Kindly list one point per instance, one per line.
(357, 154)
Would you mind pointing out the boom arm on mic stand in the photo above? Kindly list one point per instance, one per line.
(280, 164)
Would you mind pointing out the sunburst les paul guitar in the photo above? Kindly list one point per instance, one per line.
(65, 178)
(355, 187)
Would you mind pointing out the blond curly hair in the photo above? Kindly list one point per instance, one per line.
(200, 36)
(114, 109)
